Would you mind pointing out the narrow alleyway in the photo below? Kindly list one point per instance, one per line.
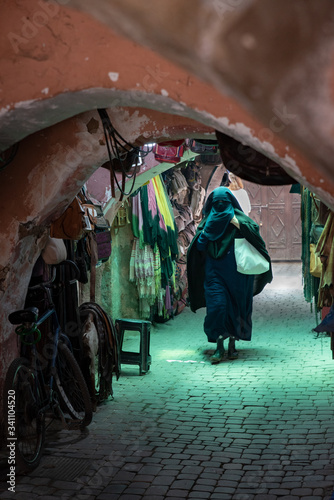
(257, 428)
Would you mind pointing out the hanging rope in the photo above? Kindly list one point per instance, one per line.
(124, 157)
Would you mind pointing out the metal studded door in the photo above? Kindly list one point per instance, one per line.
(277, 211)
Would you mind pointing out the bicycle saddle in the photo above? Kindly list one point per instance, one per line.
(29, 315)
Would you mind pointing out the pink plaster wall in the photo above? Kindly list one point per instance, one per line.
(275, 59)
(49, 169)
(58, 62)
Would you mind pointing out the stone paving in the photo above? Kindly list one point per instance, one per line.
(256, 428)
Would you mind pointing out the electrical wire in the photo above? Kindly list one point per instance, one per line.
(120, 149)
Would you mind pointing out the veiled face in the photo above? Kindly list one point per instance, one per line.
(219, 209)
(221, 205)
(227, 202)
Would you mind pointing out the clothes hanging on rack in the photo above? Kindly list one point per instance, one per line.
(155, 248)
(325, 248)
(308, 216)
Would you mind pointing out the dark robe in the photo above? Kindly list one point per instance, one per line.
(215, 283)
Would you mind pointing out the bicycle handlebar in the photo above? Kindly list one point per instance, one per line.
(47, 284)
(74, 267)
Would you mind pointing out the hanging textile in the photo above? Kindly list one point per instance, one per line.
(308, 216)
(142, 272)
(153, 221)
(166, 230)
(151, 215)
(137, 219)
(325, 248)
(155, 247)
(166, 211)
(157, 269)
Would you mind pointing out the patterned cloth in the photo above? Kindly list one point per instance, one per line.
(167, 222)
(325, 248)
(142, 272)
(155, 248)
(308, 215)
(137, 219)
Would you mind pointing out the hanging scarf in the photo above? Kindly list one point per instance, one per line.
(325, 248)
(142, 272)
(168, 231)
(154, 228)
(137, 219)
(308, 216)
(157, 269)
(150, 214)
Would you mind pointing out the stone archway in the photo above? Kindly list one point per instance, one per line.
(59, 65)
(59, 62)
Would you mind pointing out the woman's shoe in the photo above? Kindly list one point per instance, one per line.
(232, 353)
(219, 353)
(217, 357)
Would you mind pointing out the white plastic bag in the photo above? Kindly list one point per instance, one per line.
(248, 259)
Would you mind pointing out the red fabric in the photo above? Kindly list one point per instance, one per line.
(324, 311)
(168, 154)
(172, 143)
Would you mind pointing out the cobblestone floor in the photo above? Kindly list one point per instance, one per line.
(256, 428)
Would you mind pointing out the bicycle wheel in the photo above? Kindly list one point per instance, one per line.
(71, 386)
(25, 425)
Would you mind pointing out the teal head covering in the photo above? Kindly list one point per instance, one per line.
(219, 210)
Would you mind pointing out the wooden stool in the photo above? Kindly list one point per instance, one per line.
(141, 358)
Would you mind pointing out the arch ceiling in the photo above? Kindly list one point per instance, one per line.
(274, 58)
(259, 71)
(221, 66)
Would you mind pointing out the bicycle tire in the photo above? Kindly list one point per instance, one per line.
(25, 428)
(74, 398)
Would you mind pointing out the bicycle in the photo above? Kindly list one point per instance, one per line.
(38, 385)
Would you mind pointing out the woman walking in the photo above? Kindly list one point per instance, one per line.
(213, 278)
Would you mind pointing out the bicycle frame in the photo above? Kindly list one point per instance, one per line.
(47, 379)
(55, 335)
(47, 383)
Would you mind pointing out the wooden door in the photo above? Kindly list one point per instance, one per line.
(277, 211)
